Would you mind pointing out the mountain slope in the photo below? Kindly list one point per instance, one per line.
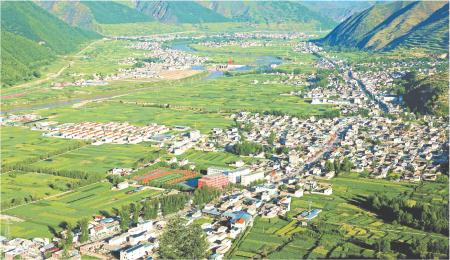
(72, 12)
(108, 12)
(179, 12)
(268, 12)
(433, 32)
(32, 22)
(338, 11)
(21, 58)
(385, 26)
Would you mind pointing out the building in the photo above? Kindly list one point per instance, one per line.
(122, 185)
(216, 181)
(249, 178)
(216, 170)
(234, 176)
(135, 252)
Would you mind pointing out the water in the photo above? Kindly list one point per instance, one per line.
(182, 46)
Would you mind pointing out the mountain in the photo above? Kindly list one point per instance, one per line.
(88, 14)
(179, 12)
(268, 12)
(32, 22)
(21, 58)
(338, 11)
(387, 25)
(32, 37)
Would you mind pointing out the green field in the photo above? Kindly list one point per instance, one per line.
(20, 144)
(41, 217)
(139, 115)
(18, 185)
(100, 158)
(289, 240)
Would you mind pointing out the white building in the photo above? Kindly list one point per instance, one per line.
(122, 185)
(136, 252)
(215, 170)
(249, 178)
(234, 176)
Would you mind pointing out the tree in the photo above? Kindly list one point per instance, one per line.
(337, 166)
(124, 215)
(347, 165)
(69, 237)
(271, 138)
(84, 223)
(181, 241)
(329, 166)
(136, 212)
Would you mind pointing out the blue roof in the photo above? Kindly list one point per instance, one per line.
(107, 220)
(131, 249)
(237, 215)
(310, 214)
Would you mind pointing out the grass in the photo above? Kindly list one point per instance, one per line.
(42, 217)
(20, 144)
(23, 184)
(100, 158)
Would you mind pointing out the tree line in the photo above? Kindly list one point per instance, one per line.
(399, 210)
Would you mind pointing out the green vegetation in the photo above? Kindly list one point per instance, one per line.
(115, 12)
(203, 160)
(425, 96)
(23, 145)
(180, 241)
(23, 187)
(41, 219)
(26, 20)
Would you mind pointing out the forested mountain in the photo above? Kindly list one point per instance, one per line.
(179, 12)
(388, 25)
(32, 37)
(268, 12)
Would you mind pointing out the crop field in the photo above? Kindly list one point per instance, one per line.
(166, 176)
(20, 144)
(100, 158)
(230, 94)
(40, 219)
(18, 185)
(290, 240)
(139, 115)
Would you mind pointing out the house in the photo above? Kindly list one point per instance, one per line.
(249, 178)
(215, 181)
(136, 252)
(122, 185)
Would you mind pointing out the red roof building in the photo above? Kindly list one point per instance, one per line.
(215, 181)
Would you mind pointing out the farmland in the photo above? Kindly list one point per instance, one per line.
(101, 158)
(19, 144)
(338, 231)
(19, 185)
(204, 160)
(41, 218)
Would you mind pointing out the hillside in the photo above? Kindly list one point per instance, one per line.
(21, 58)
(72, 12)
(385, 26)
(32, 37)
(108, 12)
(338, 11)
(179, 12)
(32, 22)
(268, 12)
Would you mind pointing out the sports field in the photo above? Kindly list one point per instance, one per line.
(166, 176)
(40, 218)
(346, 223)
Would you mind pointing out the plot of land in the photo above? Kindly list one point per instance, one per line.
(19, 144)
(204, 160)
(43, 216)
(20, 185)
(100, 158)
